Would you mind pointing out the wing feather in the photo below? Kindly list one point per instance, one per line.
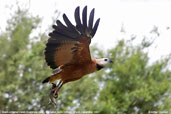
(95, 27)
(91, 19)
(77, 16)
(70, 44)
(84, 17)
(68, 23)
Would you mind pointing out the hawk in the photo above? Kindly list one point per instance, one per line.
(67, 50)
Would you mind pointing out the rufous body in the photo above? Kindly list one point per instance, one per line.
(74, 72)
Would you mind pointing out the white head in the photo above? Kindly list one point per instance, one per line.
(103, 61)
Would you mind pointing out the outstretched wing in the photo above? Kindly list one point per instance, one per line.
(69, 44)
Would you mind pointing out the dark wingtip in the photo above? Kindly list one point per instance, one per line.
(77, 16)
(91, 19)
(95, 26)
(46, 80)
(84, 16)
(78, 7)
(82, 25)
(85, 8)
(67, 21)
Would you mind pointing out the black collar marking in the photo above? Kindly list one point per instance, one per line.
(99, 67)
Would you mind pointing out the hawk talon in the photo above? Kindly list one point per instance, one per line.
(55, 95)
(52, 99)
(54, 91)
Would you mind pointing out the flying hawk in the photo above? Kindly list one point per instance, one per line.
(67, 50)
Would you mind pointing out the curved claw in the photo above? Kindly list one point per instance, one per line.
(54, 92)
(53, 96)
(52, 99)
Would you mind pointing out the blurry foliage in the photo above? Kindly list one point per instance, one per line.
(130, 85)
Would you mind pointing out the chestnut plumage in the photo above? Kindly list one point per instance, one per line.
(68, 51)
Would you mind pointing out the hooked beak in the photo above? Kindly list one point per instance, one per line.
(110, 61)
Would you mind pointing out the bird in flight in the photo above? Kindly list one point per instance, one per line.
(67, 50)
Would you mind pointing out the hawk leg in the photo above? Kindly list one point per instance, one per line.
(55, 89)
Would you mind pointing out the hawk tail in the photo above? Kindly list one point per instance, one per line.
(53, 77)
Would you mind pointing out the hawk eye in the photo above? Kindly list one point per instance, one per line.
(105, 59)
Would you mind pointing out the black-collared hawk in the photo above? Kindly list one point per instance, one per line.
(67, 50)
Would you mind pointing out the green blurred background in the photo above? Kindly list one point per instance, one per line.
(131, 85)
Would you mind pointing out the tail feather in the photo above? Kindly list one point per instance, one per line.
(46, 80)
(53, 77)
